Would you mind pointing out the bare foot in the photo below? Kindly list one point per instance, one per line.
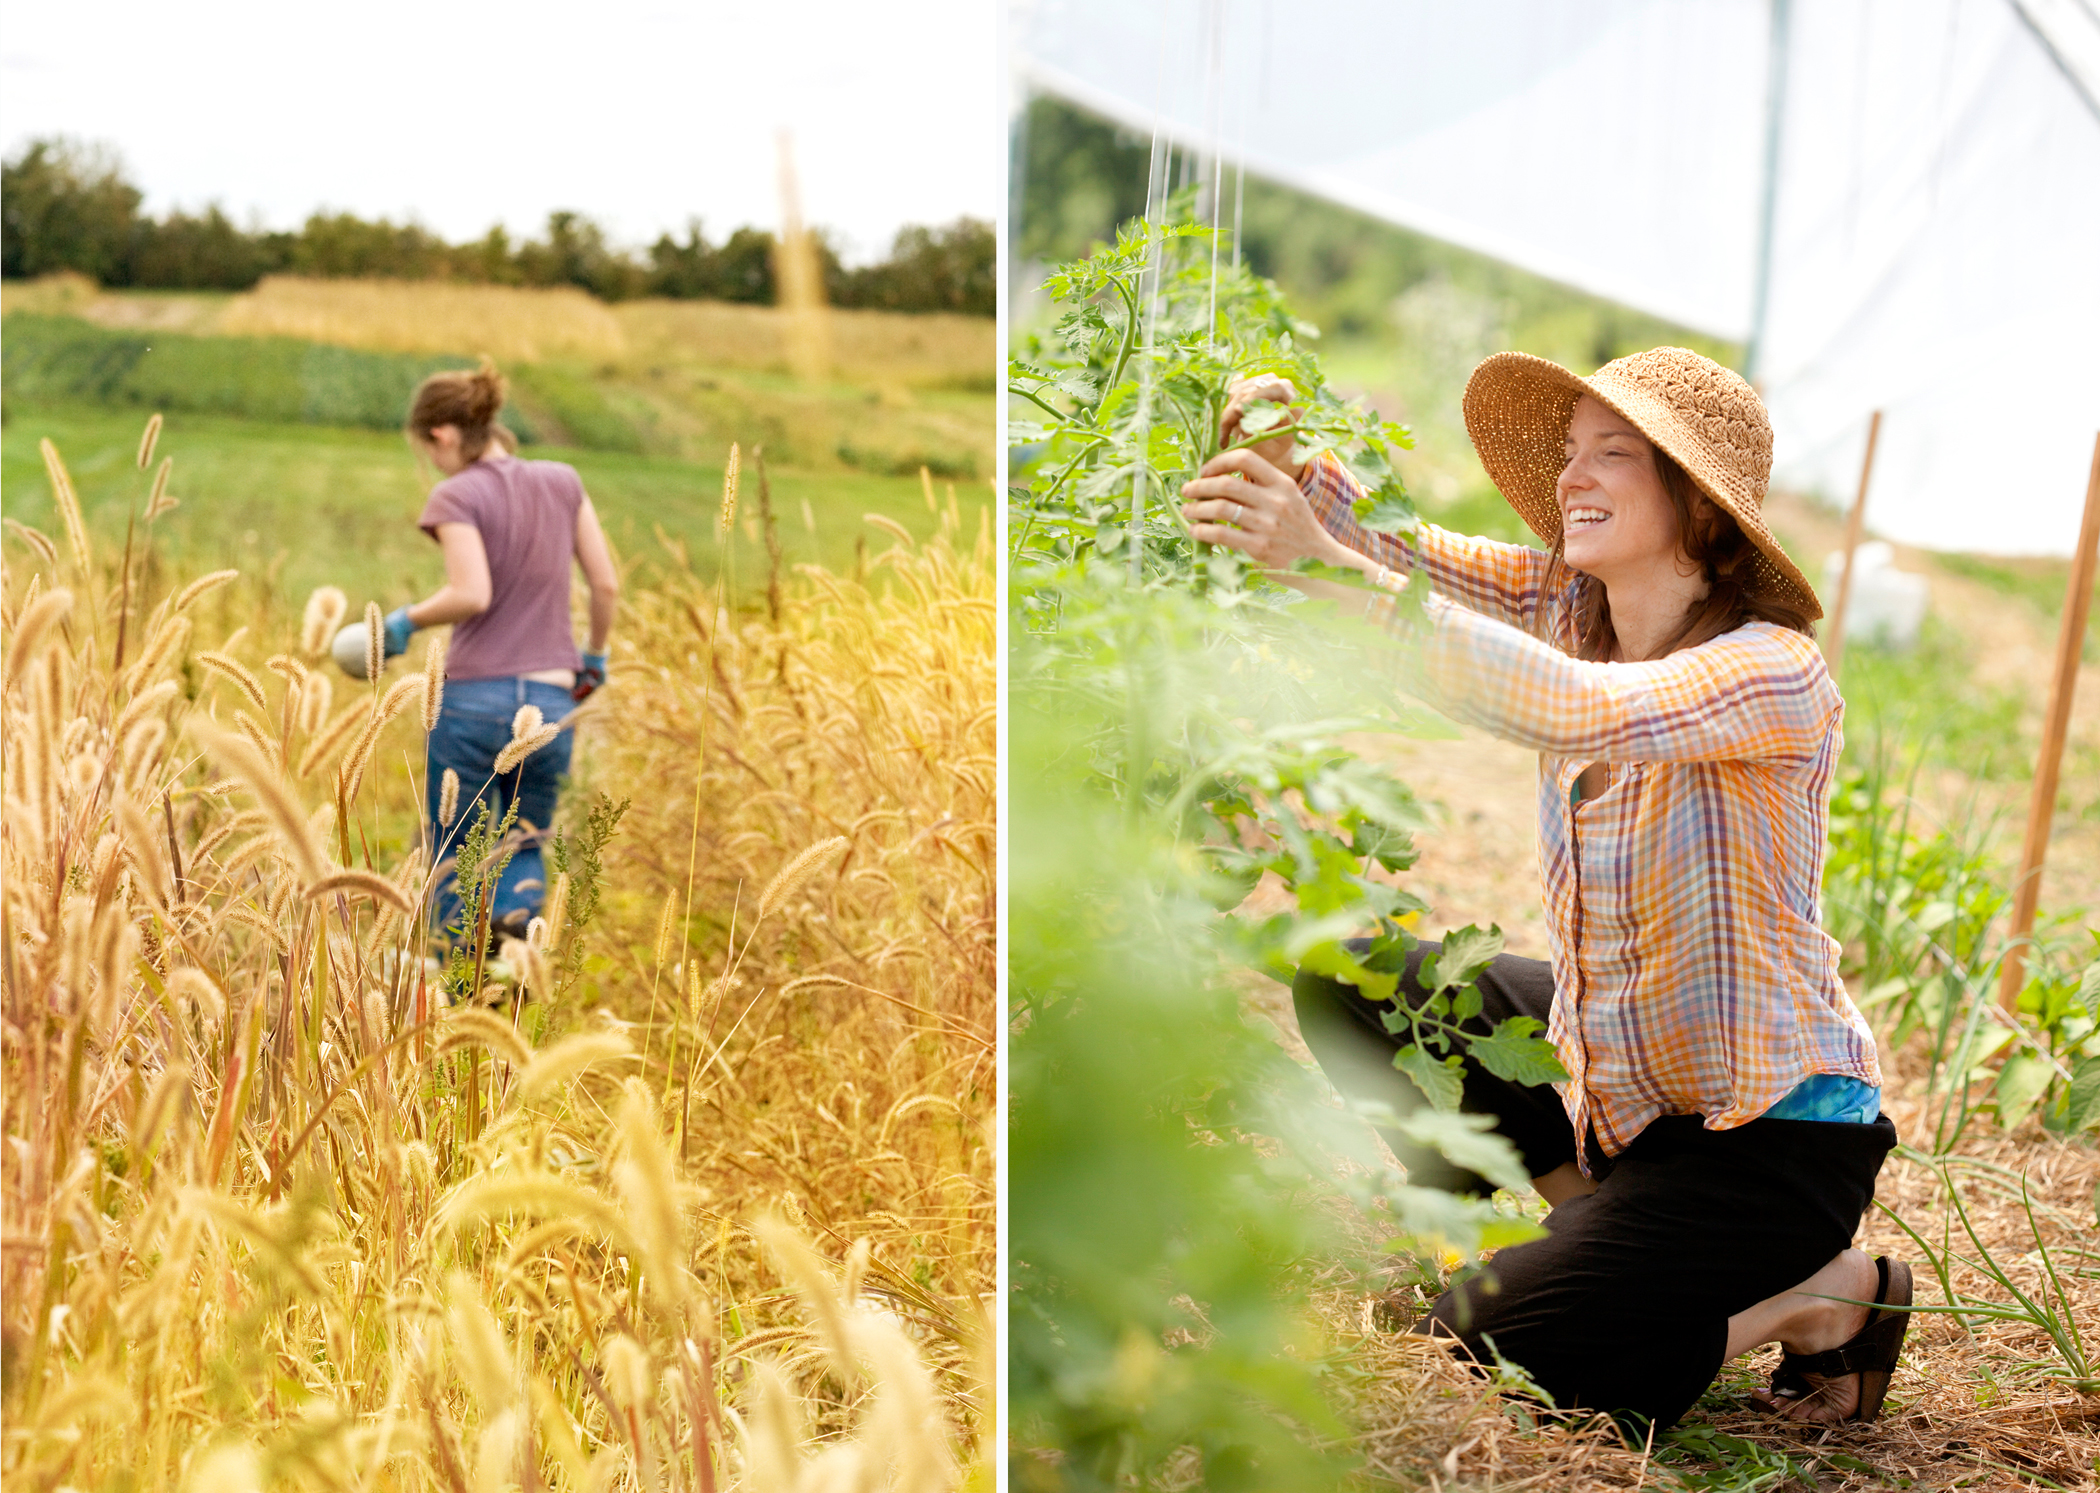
(1819, 1326)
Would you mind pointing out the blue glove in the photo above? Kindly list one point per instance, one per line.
(592, 675)
(398, 631)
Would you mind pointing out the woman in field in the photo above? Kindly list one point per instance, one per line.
(1716, 1146)
(510, 531)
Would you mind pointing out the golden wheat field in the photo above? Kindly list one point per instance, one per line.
(691, 1189)
(530, 324)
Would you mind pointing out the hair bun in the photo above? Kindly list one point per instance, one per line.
(469, 399)
(485, 392)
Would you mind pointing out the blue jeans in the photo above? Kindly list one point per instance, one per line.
(472, 729)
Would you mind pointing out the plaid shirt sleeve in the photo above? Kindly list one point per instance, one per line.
(1500, 580)
(1759, 693)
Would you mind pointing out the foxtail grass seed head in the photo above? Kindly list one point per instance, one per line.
(433, 682)
(201, 587)
(527, 721)
(316, 694)
(647, 1177)
(260, 776)
(556, 911)
(375, 642)
(161, 501)
(37, 619)
(148, 850)
(553, 1067)
(448, 799)
(149, 440)
(139, 752)
(235, 670)
(892, 528)
(627, 1374)
(362, 884)
(730, 476)
(83, 772)
(193, 985)
(521, 747)
(235, 1468)
(401, 694)
(258, 734)
(798, 871)
(324, 614)
(330, 737)
(34, 538)
(67, 502)
(529, 965)
(389, 705)
(289, 669)
(165, 644)
(484, 1357)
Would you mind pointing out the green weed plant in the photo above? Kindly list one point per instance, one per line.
(1920, 908)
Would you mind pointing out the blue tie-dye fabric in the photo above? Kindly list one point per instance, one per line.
(1829, 1096)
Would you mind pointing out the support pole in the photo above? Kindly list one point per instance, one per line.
(2069, 643)
(1855, 523)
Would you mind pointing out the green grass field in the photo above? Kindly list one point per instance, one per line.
(297, 506)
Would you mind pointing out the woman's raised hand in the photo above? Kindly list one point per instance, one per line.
(1278, 452)
(1242, 501)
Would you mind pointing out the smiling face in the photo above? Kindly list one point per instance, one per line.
(1619, 524)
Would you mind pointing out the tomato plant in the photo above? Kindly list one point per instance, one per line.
(1178, 727)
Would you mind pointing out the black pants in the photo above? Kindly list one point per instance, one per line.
(1624, 1305)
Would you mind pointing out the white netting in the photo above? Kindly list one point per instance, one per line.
(1936, 250)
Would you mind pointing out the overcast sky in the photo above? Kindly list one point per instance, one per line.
(638, 113)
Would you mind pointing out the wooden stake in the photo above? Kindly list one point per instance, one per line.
(1855, 522)
(2069, 643)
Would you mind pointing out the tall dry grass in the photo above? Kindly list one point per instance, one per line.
(830, 1039)
(277, 1214)
(531, 324)
(513, 323)
(876, 347)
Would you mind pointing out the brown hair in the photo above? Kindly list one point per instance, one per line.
(1710, 538)
(467, 399)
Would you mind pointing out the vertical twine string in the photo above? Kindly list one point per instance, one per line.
(1214, 118)
(1159, 174)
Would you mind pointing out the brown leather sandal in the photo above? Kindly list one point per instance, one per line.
(1871, 1352)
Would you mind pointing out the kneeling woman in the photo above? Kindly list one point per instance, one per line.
(1711, 1156)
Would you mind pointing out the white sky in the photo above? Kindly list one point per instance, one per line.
(638, 113)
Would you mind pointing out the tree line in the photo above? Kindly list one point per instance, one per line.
(69, 206)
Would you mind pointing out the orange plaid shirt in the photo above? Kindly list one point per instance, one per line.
(1691, 973)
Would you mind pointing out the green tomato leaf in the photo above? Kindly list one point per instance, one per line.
(1468, 1225)
(1439, 1081)
(1510, 1052)
(1387, 511)
(1464, 955)
(1469, 1141)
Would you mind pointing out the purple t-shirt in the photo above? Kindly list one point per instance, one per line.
(526, 512)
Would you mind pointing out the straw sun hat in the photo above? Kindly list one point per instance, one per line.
(1714, 425)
